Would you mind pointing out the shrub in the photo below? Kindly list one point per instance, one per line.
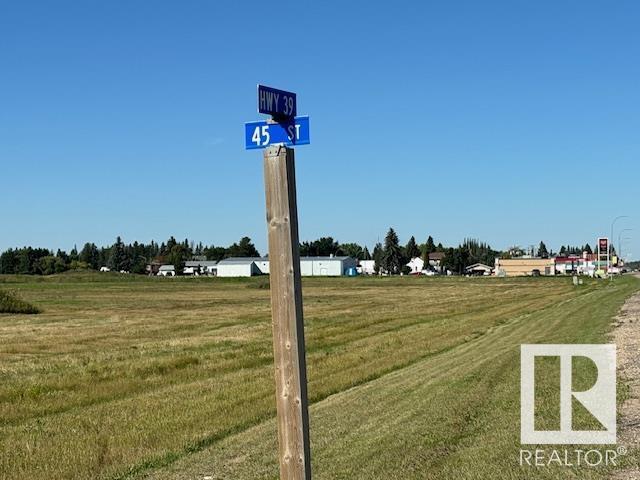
(11, 303)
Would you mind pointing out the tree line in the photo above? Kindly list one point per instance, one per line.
(389, 257)
(133, 257)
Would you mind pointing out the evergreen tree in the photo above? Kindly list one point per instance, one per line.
(170, 244)
(90, 255)
(247, 248)
(542, 250)
(139, 259)
(428, 248)
(365, 254)
(378, 255)
(243, 249)
(457, 259)
(412, 250)
(448, 262)
(118, 259)
(8, 262)
(392, 259)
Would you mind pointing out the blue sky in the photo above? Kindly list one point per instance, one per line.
(511, 121)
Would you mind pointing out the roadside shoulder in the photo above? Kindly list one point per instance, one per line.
(626, 335)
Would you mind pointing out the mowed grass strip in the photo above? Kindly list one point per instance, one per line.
(125, 374)
(451, 415)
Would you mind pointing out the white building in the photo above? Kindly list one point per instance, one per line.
(309, 266)
(478, 269)
(200, 267)
(416, 265)
(263, 265)
(326, 266)
(367, 267)
(238, 267)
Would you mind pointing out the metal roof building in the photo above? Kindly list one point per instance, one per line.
(240, 267)
(196, 267)
(326, 266)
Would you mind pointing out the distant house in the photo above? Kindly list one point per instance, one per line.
(167, 271)
(435, 260)
(416, 264)
(478, 269)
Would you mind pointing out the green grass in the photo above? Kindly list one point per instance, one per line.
(131, 377)
(11, 303)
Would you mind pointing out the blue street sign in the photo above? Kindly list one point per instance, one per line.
(263, 134)
(277, 103)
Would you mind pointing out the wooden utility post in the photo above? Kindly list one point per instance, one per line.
(286, 309)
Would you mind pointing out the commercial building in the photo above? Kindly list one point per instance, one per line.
(514, 267)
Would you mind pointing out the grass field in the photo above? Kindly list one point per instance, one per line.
(409, 378)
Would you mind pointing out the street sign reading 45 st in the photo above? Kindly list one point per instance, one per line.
(277, 103)
(263, 134)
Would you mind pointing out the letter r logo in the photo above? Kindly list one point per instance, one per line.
(600, 400)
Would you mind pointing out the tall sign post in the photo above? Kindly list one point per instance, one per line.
(284, 266)
(603, 252)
